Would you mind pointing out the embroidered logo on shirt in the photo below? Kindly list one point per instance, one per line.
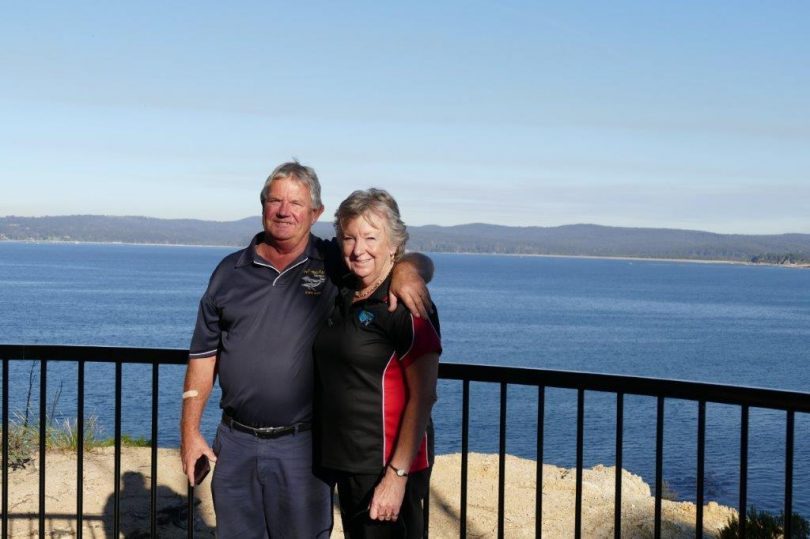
(312, 281)
(365, 317)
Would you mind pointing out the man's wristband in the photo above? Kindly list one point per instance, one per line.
(398, 471)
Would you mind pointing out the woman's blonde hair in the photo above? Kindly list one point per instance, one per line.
(381, 204)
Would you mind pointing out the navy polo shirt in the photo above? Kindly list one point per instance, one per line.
(261, 323)
(362, 353)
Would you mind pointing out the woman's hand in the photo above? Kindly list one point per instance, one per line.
(388, 495)
(409, 284)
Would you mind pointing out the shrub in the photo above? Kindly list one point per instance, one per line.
(764, 525)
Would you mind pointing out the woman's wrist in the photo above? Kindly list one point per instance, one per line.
(397, 471)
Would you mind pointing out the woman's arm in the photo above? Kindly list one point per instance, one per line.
(421, 377)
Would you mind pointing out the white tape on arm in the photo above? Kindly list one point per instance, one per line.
(190, 394)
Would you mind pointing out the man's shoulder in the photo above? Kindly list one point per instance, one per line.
(232, 260)
(328, 251)
(231, 263)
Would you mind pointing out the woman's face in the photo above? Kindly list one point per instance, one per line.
(367, 248)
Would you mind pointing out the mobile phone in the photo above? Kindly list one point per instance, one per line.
(201, 469)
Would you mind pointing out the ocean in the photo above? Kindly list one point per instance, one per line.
(724, 323)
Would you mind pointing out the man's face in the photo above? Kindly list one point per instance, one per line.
(288, 214)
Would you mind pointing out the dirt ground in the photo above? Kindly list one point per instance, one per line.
(172, 501)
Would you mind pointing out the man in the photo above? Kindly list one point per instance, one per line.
(255, 327)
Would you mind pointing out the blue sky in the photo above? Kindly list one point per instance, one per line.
(658, 114)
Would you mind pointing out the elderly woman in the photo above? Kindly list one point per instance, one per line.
(377, 380)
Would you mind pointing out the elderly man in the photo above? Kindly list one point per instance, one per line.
(255, 327)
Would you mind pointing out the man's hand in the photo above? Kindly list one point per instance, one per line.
(409, 284)
(192, 447)
(388, 495)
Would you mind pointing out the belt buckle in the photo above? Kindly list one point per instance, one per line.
(273, 432)
(270, 432)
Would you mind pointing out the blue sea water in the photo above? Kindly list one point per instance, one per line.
(711, 322)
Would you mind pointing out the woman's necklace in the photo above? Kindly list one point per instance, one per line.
(365, 292)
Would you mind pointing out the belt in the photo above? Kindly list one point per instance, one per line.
(265, 432)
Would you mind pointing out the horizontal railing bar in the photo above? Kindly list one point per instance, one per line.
(100, 354)
(635, 385)
(611, 383)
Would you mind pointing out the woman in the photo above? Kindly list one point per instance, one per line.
(377, 375)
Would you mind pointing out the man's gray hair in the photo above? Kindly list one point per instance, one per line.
(382, 205)
(293, 170)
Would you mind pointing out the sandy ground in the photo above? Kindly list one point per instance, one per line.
(519, 521)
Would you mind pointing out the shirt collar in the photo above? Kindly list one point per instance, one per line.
(314, 250)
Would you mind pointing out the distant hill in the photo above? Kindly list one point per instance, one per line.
(573, 240)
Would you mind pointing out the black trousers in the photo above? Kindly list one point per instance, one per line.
(355, 492)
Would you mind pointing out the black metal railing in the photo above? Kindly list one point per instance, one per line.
(701, 393)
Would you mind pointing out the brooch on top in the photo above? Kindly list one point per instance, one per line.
(365, 317)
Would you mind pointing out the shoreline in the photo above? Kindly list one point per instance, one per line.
(465, 253)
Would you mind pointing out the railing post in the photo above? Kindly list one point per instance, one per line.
(80, 450)
(190, 518)
(701, 464)
(465, 441)
(743, 470)
(502, 463)
(659, 465)
(4, 504)
(43, 436)
(789, 429)
(580, 452)
(153, 480)
(538, 494)
(617, 497)
(117, 456)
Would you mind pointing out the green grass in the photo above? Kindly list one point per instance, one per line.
(126, 441)
(60, 436)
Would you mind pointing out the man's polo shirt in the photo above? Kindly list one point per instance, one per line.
(261, 323)
(361, 356)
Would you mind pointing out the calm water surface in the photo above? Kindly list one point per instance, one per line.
(710, 322)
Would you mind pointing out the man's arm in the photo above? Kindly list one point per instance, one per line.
(200, 374)
(409, 283)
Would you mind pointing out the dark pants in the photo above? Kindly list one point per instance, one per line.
(355, 492)
(265, 487)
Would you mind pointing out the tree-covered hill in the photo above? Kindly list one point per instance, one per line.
(574, 240)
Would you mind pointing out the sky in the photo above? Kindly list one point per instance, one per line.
(687, 114)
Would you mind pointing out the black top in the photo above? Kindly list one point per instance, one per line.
(261, 323)
(361, 356)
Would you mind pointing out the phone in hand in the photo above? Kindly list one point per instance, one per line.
(201, 469)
